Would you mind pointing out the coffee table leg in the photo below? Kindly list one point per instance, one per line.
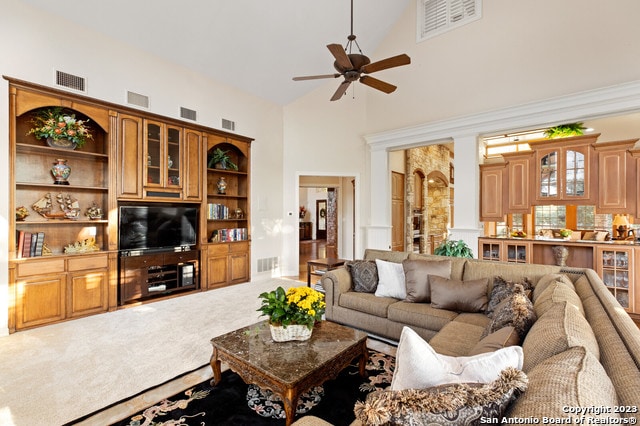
(364, 357)
(290, 401)
(215, 366)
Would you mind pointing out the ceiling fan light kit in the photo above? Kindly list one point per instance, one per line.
(352, 66)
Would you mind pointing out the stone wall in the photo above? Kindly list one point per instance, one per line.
(433, 163)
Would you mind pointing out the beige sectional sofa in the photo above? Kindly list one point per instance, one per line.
(582, 352)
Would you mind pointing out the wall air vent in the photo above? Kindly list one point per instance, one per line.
(70, 81)
(137, 99)
(228, 124)
(187, 113)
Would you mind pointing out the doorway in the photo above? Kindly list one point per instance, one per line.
(321, 219)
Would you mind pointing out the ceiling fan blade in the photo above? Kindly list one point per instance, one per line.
(341, 56)
(377, 84)
(394, 61)
(314, 77)
(341, 90)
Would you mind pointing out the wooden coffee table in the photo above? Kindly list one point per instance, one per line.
(288, 368)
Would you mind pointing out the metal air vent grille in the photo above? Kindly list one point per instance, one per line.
(228, 124)
(70, 81)
(137, 99)
(187, 113)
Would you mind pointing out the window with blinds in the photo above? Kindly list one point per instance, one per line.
(438, 16)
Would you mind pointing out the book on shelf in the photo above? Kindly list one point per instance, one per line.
(229, 235)
(217, 211)
(30, 244)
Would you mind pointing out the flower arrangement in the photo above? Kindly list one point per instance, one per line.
(56, 124)
(298, 305)
(303, 212)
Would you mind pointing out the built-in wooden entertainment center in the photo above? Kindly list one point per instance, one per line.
(76, 266)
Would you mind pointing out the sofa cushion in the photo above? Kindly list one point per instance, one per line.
(457, 263)
(547, 280)
(573, 378)
(456, 339)
(390, 256)
(419, 366)
(506, 336)
(452, 404)
(558, 291)
(390, 280)
(475, 268)
(416, 275)
(367, 303)
(516, 310)
(364, 275)
(501, 289)
(420, 315)
(559, 329)
(462, 296)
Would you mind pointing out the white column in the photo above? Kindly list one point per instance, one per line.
(467, 226)
(378, 229)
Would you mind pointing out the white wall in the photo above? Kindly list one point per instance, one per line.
(32, 48)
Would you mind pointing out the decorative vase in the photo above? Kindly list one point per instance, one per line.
(60, 172)
(222, 185)
(560, 253)
(61, 143)
(291, 332)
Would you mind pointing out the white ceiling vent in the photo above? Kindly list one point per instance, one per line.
(187, 113)
(438, 16)
(228, 124)
(137, 99)
(70, 81)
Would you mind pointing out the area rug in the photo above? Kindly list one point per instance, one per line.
(233, 402)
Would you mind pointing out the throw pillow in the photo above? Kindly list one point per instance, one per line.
(416, 274)
(452, 404)
(460, 296)
(390, 280)
(418, 366)
(560, 328)
(364, 275)
(573, 378)
(506, 336)
(516, 310)
(502, 289)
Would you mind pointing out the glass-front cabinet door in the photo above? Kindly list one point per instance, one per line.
(615, 266)
(163, 156)
(563, 173)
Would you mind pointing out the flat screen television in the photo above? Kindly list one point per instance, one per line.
(157, 227)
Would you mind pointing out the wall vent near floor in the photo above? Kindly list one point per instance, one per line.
(267, 264)
(228, 124)
(70, 81)
(187, 113)
(137, 99)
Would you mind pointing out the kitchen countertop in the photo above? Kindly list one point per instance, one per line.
(566, 241)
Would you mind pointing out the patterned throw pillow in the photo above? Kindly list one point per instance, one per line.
(515, 310)
(364, 275)
(451, 404)
(502, 289)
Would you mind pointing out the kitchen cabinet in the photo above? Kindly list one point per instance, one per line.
(616, 177)
(518, 182)
(492, 180)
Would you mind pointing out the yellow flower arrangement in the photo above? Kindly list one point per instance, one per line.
(298, 305)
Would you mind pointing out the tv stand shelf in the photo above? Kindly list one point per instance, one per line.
(156, 275)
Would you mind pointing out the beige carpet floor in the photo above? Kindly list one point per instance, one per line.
(55, 374)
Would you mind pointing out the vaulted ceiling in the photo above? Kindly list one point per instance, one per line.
(255, 46)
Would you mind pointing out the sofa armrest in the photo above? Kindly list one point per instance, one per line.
(335, 282)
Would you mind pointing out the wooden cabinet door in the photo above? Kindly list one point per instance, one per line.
(216, 271)
(40, 300)
(193, 166)
(239, 267)
(519, 182)
(88, 292)
(397, 211)
(617, 189)
(130, 156)
(491, 192)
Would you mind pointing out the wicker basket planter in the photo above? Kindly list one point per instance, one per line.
(291, 332)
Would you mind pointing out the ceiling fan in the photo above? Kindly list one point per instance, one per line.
(352, 65)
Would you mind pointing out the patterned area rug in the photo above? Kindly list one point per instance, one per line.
(235, 403)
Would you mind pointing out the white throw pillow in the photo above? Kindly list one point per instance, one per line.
(418, 366)
(390, 280)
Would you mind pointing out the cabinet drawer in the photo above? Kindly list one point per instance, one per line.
(93, 262)
(218, 250)
(180, 257)
(40, 267)
(239, 247)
